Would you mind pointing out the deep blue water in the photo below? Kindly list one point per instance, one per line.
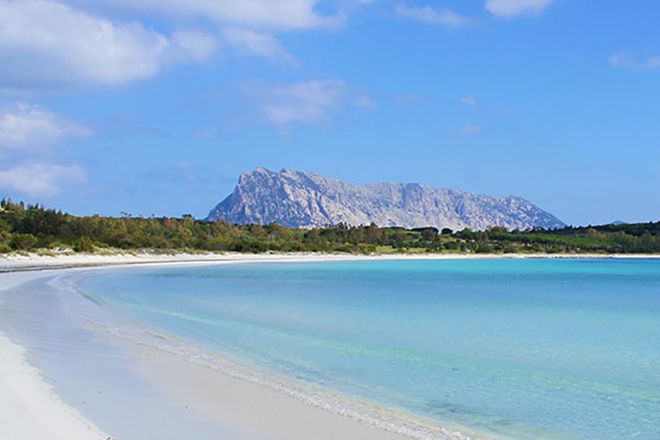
(526, 348)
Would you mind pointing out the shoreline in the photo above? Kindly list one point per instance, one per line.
(162, 368)
(37, 262)
(29, 406)
(257, 409)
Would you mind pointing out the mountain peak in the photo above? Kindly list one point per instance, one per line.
(303, 199)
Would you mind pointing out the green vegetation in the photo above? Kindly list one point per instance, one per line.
(29, 228)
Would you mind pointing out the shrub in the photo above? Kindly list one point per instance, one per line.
(23, 241)
(84, 244)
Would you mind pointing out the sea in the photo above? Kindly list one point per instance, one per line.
(499, 348)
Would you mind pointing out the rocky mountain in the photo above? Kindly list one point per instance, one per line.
(301, 199)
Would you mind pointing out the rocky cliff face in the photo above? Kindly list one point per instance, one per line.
(301, 199)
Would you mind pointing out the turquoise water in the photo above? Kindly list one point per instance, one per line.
(522, 348)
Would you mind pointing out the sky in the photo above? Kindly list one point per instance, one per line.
(155, 107)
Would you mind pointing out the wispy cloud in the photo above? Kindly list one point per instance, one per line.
(45, 44)
(26, 127)
(182, 172)
(260, 44)
(40, 179)
(470, 129)
(280, 14)
(190, 45)
(628, 61)
(430, 15)
(513, 8)
(305, 102)
(364, 101)
(200, 178)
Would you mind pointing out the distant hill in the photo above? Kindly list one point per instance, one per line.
(301, 199)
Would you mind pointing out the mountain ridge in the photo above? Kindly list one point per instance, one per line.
(303, 199)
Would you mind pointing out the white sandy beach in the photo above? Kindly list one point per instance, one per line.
(30, 407)
(225, 406)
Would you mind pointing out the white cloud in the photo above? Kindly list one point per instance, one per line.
(470, 101)
(623, 59)
(40, 179)
(191, 45)
(512, 8)
(282, 14)
(258, 44)
(27, 127)
(47, 44)
(306, 102)
(427, 14)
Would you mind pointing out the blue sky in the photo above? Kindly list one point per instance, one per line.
(156, 107)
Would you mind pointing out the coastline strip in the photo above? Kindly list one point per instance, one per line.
(36, 263)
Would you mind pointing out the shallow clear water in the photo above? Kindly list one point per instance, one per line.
(524, 348)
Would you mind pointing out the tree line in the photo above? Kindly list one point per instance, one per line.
(33, 227)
